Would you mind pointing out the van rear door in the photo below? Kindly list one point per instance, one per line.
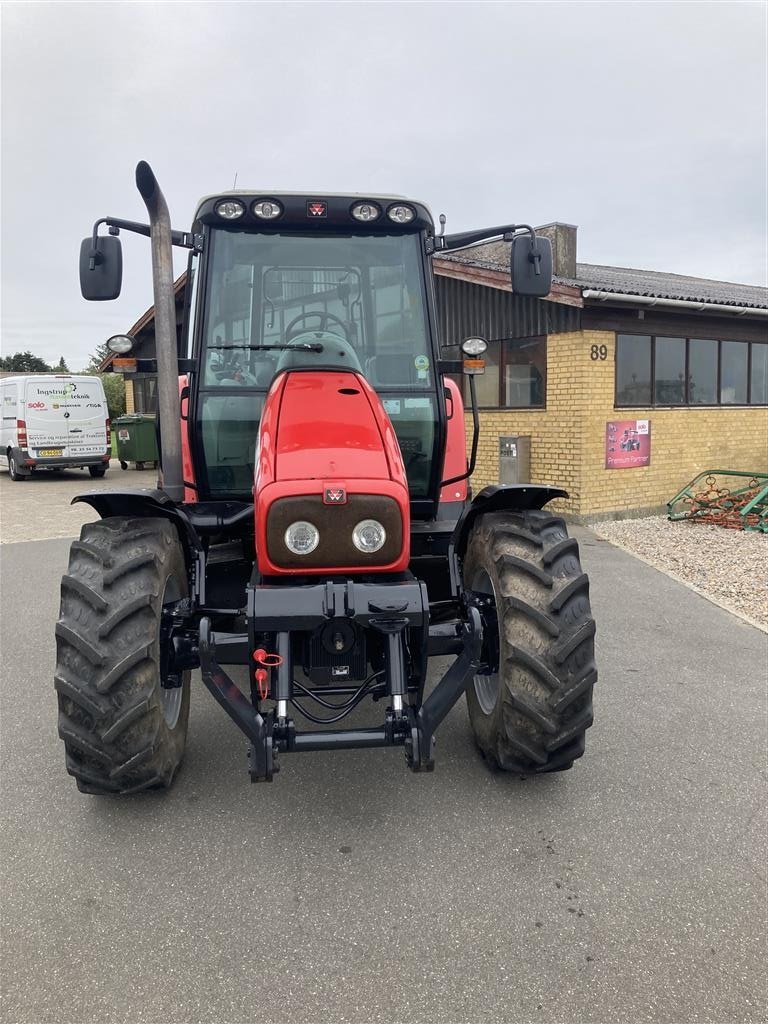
(44, 409)
(66, 417)
(86, 416)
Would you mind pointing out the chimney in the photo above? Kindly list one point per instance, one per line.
(563, 239)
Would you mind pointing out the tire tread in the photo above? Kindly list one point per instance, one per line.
(110, 715)
(547, 635)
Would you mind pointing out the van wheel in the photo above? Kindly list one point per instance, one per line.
(97, 471)
(13, 469)
(123, 712)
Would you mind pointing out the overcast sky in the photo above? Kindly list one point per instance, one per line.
(643, 124)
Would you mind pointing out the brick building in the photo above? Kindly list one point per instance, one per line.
(686, 357)
(683, 359)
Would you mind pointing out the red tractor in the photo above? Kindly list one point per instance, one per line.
(313, 522)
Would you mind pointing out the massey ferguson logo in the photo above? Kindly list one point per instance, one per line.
(315, 209)
(335, 496)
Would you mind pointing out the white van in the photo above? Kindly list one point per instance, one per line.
(53, 421)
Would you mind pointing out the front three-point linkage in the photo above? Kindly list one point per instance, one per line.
(403, 725)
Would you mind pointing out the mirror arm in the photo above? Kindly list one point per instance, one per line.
(184, 239)
(465, 238)
(475, 438)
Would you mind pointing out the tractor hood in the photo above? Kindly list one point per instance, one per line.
(328, 455)
(328, 426)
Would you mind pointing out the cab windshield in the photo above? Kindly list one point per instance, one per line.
(277, 301)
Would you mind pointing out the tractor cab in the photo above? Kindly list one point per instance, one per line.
(297, 282)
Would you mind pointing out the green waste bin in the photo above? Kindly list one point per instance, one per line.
(136, 440)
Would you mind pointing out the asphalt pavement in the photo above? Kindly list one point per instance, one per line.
(630, 889)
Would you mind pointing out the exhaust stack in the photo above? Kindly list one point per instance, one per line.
(165, 330)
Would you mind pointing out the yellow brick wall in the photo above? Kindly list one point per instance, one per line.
(129, 402)
(556, 432)
(684, 442)
(568, 437)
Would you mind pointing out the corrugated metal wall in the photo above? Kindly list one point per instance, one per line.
(465, 309)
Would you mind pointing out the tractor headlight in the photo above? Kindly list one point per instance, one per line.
(267, 209)
(369, 536)
(301, 538)
(401, 214)
(230, 209)
(366, 212)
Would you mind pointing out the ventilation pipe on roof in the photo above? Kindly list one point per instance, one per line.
(651, 300)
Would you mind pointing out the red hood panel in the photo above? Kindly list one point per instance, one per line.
(328, 430)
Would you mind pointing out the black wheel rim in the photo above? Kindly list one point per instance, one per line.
(487, 684)
(170, 696)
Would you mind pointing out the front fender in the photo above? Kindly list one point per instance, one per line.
(497, 498)
(142, 504)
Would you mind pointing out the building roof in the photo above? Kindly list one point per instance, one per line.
(622, 280)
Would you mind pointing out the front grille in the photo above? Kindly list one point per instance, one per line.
(334, 524)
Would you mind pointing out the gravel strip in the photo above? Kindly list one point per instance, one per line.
(731, 566)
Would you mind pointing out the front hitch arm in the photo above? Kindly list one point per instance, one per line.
(240, 710)
(445, 694)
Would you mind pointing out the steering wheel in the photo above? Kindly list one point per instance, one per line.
(325, 319)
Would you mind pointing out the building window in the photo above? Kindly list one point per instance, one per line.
(633, 369)
(689, 371)
(702, 372)
(145, 395)
(758, 378)
(733, 372)
(669, 371)
(515, 375)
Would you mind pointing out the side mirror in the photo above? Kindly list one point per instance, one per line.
(101, 268)
(531, 265)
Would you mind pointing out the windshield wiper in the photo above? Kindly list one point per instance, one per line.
(309, 346)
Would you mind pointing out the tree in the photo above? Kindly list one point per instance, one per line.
(114, 384)
(97, 358)
(114, 389)
(60, 367)
(24, 362)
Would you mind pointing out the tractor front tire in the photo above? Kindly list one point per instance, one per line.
(123, 731)
(530, 715)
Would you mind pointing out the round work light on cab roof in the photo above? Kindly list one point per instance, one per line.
(401, 214)
(366, 212)
(230, 209)
(266, 209)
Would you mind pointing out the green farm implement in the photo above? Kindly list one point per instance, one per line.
(724, 497)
